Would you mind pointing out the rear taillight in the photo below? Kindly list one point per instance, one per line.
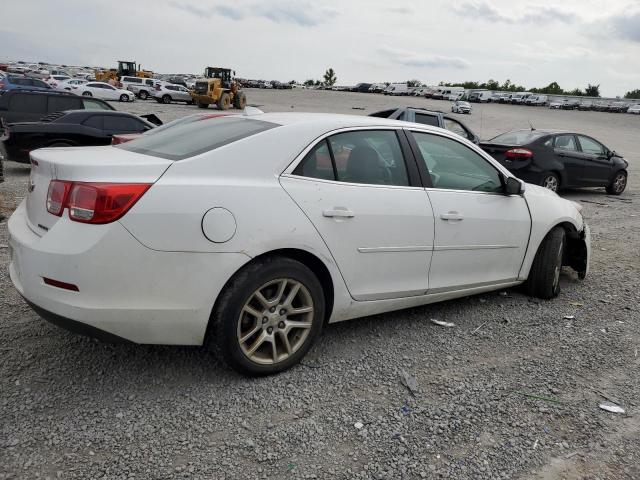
(519, 153)
(57, 196)
(93, 202)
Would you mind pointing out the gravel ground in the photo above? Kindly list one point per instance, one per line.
(512, 391)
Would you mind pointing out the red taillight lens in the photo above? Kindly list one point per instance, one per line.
(521, 153)
(57, 196)
(93, 202)
(103, 202)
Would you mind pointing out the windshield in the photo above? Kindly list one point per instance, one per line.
(187, 138)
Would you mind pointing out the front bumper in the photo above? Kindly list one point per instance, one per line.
(126, 290)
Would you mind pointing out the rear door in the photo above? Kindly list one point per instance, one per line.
(567, 152)
(364, 199)
(481, 234)
(598, 166)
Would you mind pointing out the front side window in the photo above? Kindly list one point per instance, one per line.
(456, 127)
(90, 104)
(371, 157)
(590, 146)
(454, 166)
(566, 142)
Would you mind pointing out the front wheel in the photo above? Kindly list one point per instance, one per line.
(87, 94)
(544, 276)
(268, 317)
(124, 98)
(240, 101)
(618, 184)
(551, 181)
(166, 99)
(143, 95)
(224, 102)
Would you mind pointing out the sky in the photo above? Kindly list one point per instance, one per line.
(572, 42)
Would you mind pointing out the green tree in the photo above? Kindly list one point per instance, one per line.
(592, 90)
(330, 77)
(414, 83)
(633, 93)
(310, 82)
(492, 85)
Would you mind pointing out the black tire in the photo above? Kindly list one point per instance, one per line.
(143, 95)
(551, 181)
(544, 276)
(124, 97)
(166, 99)
(222, 336)
(202, 105)
(618, 183)
(240, 101)
(224, 102)
(87, 94)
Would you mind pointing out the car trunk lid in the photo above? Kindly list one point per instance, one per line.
(78, 164)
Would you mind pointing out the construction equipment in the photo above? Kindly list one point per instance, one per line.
(125, 69)
(219, 87)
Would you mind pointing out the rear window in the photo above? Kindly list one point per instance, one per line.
(186, 140)
(522, 137)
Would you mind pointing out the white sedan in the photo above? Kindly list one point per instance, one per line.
(250, 232)
(104, 91)
(71, 84)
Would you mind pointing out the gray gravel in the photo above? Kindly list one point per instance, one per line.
(73, 408)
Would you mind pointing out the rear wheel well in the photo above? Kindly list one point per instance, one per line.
(312, 262)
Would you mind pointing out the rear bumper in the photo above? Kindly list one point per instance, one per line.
(126, 290)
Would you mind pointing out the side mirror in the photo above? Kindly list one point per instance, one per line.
(610, 154)
(512, 186)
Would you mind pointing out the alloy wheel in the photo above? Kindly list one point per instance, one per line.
(275, 321)
(619, 183)
(550, 182)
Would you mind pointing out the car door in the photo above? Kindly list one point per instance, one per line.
(459, 129)
(598, 166)
(355, 188)
(481, 234)
(567, 153)
(183, 94)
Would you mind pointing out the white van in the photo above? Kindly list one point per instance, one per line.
(397, 89)
(445, 93)
(482, 96)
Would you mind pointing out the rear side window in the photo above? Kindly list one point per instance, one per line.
(371, 157)
(118, 124)
(186, 140)
(61, 103)
(28, 103)
(427, 119)
(94, 121)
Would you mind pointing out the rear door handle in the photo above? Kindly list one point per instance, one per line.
(338, 212)
(452, 216)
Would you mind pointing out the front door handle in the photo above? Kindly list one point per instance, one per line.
(338, 212)
(452, 216)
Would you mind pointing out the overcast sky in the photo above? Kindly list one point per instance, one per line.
(573, 42)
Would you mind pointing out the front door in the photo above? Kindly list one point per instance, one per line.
(598, 166)
(481, 235)
(355, 189)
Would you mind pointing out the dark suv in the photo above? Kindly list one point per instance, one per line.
(429, 117)
(30, 106)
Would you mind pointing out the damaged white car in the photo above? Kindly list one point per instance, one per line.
(251, 232)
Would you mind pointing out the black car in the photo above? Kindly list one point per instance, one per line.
(69, 129)
(429, 117)
(28, 106)
(557, 159)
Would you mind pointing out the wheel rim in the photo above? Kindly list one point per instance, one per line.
(143, 95)
(123, 98)
(166, 99)
(619, 183)
(550, 182)
(275, 321)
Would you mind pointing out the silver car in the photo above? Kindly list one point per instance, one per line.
(168, 92)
